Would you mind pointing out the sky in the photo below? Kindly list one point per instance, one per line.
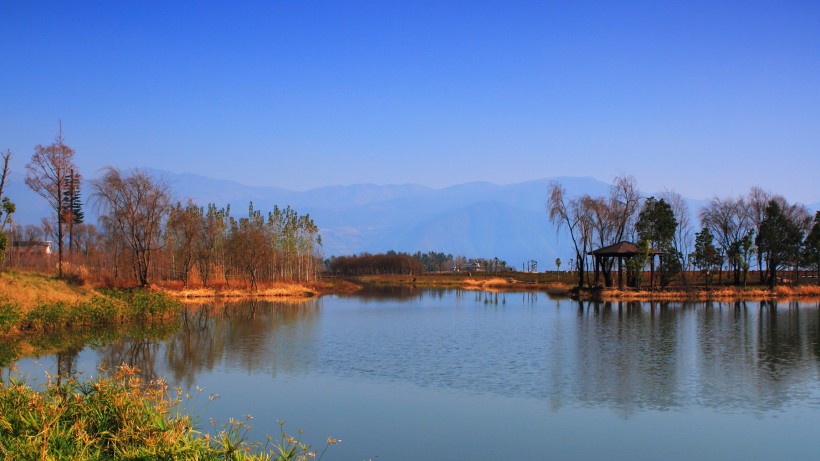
(705, 98)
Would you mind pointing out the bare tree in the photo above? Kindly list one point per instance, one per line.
(613, 217)
(575, 215)
(729, 220)
(624, 201)
(758, 199)
(46, 175)
(683, 240)
(135, 205)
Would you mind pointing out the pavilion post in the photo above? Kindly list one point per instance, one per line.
(597, 264)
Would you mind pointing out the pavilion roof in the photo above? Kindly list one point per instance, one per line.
(623, 248)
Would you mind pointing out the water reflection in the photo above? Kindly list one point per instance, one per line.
(253, 336)
(626, 356)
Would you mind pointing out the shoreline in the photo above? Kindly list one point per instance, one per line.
(492, 283)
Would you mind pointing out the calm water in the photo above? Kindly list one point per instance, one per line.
(451, 375)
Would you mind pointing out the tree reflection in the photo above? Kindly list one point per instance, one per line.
(251, 335)
(140, 353)
(626, 356)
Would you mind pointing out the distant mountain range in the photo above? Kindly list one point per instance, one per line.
(477, 219)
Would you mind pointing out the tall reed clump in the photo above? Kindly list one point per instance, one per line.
(121, 417)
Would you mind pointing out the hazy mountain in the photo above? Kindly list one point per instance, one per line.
(477, 219)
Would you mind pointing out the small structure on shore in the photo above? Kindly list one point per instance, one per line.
(623, 251)
(32, 247)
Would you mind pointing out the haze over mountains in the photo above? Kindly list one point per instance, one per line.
(477, 219)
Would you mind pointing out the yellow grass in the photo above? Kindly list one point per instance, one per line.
(282, 290)
(482, 283)
(721, 293)
(29, 290)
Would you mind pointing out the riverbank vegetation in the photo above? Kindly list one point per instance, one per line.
(31, 302)
(562, 284)
(144, 236)
(123, 417)
(735, 232)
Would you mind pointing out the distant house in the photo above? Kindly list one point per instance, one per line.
(31, 247)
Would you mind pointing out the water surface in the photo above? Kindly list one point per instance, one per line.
(445, 375)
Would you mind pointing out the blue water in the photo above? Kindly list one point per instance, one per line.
(451, 375)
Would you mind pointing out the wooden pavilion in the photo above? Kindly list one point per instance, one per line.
(622, 250)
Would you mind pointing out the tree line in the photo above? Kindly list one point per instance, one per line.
(392, 262)
(144, 236)
(759, 228)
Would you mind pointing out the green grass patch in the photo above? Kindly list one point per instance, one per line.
(10, 317)
(105, 308)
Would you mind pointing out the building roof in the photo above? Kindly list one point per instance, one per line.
(623, 248)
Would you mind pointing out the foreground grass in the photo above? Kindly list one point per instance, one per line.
(122, 418)
(31, 302)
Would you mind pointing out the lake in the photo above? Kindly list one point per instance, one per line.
(407, 374)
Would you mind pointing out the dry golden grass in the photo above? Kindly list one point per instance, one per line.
(280, 290)
(482, 283)
(558, 288)
(798, 291)
(720, 293)
(28, 290)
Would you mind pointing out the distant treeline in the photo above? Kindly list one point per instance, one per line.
(405, 263)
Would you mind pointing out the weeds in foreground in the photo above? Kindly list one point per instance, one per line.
(123, 417)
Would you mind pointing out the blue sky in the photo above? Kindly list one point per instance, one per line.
(701, 97)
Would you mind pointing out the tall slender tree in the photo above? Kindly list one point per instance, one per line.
(7, 208)
(72, 206)
(46, 175)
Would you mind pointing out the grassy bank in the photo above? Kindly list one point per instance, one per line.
(31, 302)
(122, 417)
(722, 293)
